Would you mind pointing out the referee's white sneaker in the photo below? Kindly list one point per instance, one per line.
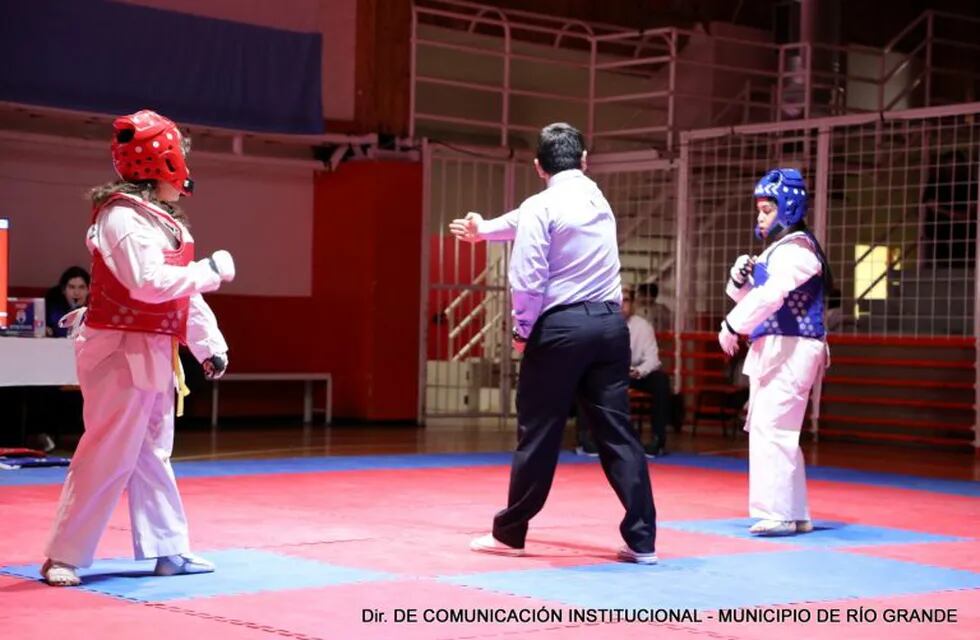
(489, 544)
(628, 555)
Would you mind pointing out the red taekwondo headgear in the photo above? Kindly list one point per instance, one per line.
(147, 146)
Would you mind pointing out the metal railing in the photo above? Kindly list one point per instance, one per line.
(510, 70)
(83, 128)
(466, 334)
(684, 221)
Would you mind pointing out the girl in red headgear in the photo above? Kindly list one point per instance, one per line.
(145, 299)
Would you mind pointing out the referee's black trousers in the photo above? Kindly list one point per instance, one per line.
(577, 352)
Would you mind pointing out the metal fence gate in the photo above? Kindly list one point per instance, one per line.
(893, 200)
(465, 364)
(468, 366)
(894, 203)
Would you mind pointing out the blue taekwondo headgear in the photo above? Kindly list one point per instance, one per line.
(787, 188)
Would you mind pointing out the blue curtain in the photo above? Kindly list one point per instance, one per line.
(95, 55)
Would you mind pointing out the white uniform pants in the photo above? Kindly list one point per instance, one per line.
(127, 444)
(777, 405)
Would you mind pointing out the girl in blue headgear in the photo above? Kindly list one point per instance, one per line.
(780, 298)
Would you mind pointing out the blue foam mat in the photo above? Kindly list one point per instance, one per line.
(825, 533)
(224, 468)
(310, 464)
(239, 571)
(713, 582)
(22, 462)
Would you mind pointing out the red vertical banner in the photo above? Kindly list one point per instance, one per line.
(366, 282)
(4, 230)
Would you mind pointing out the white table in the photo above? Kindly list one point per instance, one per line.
(33, 362)
(36, 362)
(28, 362)
(308, 380)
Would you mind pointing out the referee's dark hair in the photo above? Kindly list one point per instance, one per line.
(560, 147)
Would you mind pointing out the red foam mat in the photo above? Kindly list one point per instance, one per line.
(289, 509)
(952, 555)
(437, 552)
(938, 513)
(966, 604)
(417, 523)
(35, 611)
(336, 612)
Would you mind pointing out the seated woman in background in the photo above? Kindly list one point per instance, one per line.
(56, 410)
(71, 293)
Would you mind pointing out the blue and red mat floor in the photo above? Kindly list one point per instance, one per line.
(340, 547)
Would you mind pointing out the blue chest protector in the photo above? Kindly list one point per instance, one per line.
(801, 314)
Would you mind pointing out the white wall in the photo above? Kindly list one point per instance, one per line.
(336, 20)
(263, 215)
(864, 95)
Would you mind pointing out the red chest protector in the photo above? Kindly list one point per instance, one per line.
(110, 305)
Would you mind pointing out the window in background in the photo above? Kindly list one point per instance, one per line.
(872, 266)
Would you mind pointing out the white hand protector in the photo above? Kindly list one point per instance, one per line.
(73, 321)
(215, 366)
(741, 269)
(223, 264)
(727, 339)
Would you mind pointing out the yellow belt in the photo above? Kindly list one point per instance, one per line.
(182, 390)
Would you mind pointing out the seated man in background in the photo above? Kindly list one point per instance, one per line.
(645, 303)
(646, 373)
(70, 294)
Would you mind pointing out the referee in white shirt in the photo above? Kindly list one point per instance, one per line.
(566, 296)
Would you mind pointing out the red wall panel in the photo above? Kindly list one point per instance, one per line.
(366, 280)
